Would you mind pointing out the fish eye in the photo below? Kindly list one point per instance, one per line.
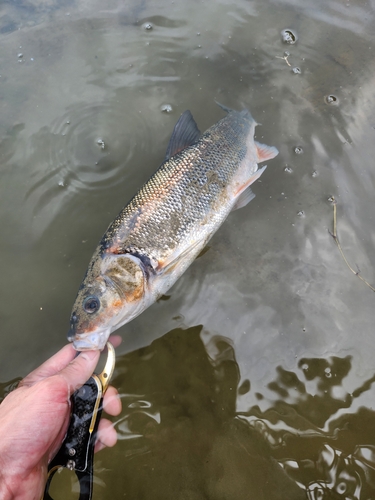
(91, 304)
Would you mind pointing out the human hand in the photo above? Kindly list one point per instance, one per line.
(34, 419)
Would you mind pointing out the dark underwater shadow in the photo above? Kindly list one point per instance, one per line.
(181, 437)
(179, 434)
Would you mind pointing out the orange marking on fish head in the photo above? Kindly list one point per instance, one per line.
(117, 303)
(113, 249)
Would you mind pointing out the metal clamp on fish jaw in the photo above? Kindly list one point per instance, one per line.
(77, 450)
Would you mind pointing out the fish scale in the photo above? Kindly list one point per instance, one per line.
(184, 193)
(165, 226)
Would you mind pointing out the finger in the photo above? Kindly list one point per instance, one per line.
(115, 340)
(107, 435)
(50, 367)
(80, 369)
(98, 446)
(112, 402)
(58, 362)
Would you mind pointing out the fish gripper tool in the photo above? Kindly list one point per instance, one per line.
(77, 450)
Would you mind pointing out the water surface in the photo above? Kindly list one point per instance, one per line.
(253, 379)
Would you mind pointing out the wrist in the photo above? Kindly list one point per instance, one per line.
(17, 488)
(12, 477)
(5, 492)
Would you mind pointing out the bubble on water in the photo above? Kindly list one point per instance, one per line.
(331, 99)
(327, 372)
(198, 33)
(100, 142)
(289, 36)
(301, 213)
(331, 199)
(20, 56)
(288, 170)
(341, 488)
(166, 108)
(298, 150)
(305, 366)
(296, 71)
(314, 174)
(147, 26)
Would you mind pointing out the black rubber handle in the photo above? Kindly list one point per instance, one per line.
(77, 450)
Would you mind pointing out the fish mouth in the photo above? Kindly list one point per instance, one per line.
(94, 341)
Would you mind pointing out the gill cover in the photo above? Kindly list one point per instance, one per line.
(110, 296)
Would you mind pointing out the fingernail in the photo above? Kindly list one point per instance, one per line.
(89, 355)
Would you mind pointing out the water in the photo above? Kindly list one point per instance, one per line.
(272, 397)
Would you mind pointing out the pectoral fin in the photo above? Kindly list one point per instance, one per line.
(181, 258)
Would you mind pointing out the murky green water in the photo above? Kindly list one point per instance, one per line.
(272, 398)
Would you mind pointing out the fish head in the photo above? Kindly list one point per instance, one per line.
(111, 294)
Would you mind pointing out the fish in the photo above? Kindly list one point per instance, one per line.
(165, 226)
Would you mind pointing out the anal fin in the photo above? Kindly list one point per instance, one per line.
(244, 198)
(245, 194)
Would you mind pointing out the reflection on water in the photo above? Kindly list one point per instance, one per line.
(182, 436)
(340, 475)
(273, 398)
(181, 431)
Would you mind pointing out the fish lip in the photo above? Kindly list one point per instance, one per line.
(73, 327)
(94, 341)
(71, 335)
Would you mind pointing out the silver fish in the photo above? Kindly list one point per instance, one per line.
(165, 226)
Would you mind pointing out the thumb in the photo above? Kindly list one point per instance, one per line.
(80, 369)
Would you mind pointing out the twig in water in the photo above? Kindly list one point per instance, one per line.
(335, 237)
(285, 58)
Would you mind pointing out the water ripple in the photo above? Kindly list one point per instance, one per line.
(86, 149)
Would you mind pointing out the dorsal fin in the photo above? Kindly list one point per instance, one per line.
(185, 133)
